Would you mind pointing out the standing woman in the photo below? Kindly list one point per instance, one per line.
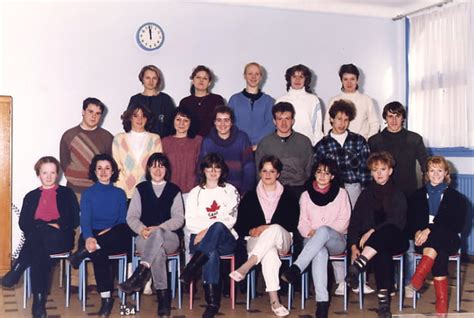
(201, 102)
(132, 148)
(160, 103)
(48, 217)
(324, 218)
(182, 149)
(252, 107)
(268, 214)
(437, 213)
(211, 212)
(376, 230)
(156, 213)
(103, 226)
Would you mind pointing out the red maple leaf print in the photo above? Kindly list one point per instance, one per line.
(213, 210)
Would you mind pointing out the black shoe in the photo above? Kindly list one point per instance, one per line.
(137, 281)
(191, 269)
(352, 278)
(164, 302)
(38, 309)
(76, 258)
(322, 309)
(212, 294)
(384, 304)
(291, 274)
(384, 312)
(13, 276)
(106, 307)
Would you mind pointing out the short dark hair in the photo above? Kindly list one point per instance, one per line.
(275, 162)
(94, 101)
(210, 160)
(46, 159)
(198, 69)
(395, 108)
(330, 164)
(160, 159)
(349, 69)
(299, 68)
(222, 109)
(185, 112)
(382, 156)
(103, 157)
(128, 114)
(152, 68)
(282, 107)
(343, 106)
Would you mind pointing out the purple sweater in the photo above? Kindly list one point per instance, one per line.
(238, 155)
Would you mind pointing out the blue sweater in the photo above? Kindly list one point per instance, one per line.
(102, 207)
(257, 119)
(238, 155)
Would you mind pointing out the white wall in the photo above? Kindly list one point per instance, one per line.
(53, 55)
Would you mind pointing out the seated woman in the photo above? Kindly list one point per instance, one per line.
(267, 214)
(437, 213)
(48, 217)
(103, 225)
(376, 229)
(325, 213)
(155, 213)
(211, 212)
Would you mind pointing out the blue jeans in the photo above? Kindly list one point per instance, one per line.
(217, 241)
(317, 249)
(409, 261)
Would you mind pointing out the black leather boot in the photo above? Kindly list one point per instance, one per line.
(322, 309)
(137, 281)
(38, 309)
(106, 306)
(76, 258)
(164, 302)
(291, 274)
(13, 276)
(384, 304)
(191, 269)
(212, 293)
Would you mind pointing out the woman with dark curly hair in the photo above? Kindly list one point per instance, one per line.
(103, 225)
(437, 215)
(48, 217)
(132, 148)
(202, 102)
(308, 119)
(211, 212)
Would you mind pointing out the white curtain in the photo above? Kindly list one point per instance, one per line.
(440, 77)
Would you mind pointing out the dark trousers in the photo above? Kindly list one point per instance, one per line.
(117, 240)
(217, 241)
(445, 243)
(43, 241)
(387, 241)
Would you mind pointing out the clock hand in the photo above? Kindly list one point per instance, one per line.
(149, 31)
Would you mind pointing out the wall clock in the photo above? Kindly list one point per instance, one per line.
(150, 36)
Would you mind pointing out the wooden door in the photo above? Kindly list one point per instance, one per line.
(5, 182)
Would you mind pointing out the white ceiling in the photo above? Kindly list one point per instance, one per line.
(374, 8)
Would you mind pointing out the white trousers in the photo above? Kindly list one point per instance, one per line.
(274, 241)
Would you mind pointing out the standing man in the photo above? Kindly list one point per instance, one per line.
(292, 148)
(77, 148)
(350, 151)
(407, 148)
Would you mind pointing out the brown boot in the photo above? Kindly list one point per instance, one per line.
(422, 270)
(441, 290)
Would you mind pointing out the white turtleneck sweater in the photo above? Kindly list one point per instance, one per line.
(366, 121)
(308, 116)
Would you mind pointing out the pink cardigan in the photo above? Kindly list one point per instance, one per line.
(336, 214)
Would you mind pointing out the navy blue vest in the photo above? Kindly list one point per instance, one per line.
(156, 210)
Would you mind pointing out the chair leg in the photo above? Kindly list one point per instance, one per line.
(232, 282)
(401, 289)
(178, 282)
(247, 305)
(68, 282)
(346, 292)
(458, 283)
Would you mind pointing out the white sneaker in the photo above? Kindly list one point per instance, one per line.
(408, 292)
(367, 290)
(339, 290)
(147, 290)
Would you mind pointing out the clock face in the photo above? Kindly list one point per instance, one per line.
(150, 36)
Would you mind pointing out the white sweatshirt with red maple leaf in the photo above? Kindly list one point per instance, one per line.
(206, 206)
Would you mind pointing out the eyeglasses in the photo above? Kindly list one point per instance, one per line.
(210, 169)
(323, 173)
